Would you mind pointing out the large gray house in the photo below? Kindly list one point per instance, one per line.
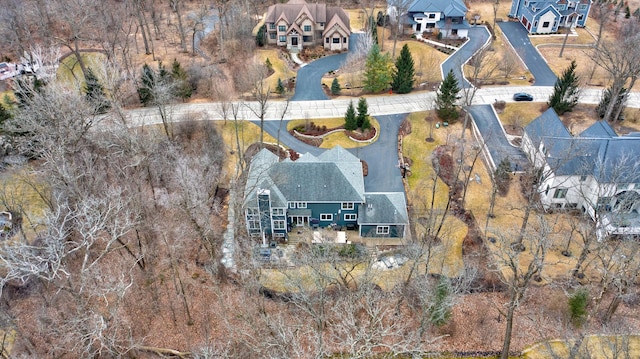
(597, 171)
(297, 24)
(318, 192)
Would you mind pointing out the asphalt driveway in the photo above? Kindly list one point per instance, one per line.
(478, 36)
(309, 77)
(519, 39)
(495, 138)
(381, 156)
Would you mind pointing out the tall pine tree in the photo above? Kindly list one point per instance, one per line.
(335, 87)
(362, 119)
(404, 74)
(378, 71)
(446, 98)
(182, 88)
(94, 92)
(350, 122)
(566, 91)
(147, 83)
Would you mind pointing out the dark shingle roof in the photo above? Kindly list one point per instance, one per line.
(383, 208)
(598, 151)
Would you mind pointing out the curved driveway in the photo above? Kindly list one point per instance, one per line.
(478, 37)
(309, 77)
(381, 157)
(519, 40)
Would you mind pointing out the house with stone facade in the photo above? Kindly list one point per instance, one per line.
(297, 24)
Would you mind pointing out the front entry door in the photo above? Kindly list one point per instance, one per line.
(294, 41)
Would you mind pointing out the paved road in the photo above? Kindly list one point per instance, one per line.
(493, 134)
(309, 77)
(478, 37)
(519, 39)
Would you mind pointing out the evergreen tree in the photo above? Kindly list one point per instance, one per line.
(25, 87)
(363, 115)
(566, 91)
(502, 176)
(94, 92)
(578, 307)
(4, 115)
(335, 87)
(350, 122)
(446, 98)
(182, 88)
(280, 87)
(403, 76)
(261, 36)
(268, 64)
(627, 12)
(378, 71)
(373, 27)
(440, 309)
(147, 82)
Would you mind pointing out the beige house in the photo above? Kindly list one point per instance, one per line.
(297, 24)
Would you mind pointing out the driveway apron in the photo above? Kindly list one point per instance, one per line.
(519, 38)
(495, 138)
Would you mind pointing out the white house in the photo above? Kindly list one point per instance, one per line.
(597, 172)
(448, 17)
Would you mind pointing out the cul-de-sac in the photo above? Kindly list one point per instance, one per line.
(320, 179)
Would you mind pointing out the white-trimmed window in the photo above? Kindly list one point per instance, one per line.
(307, 28)
(583, 6)
(252, 211)
(279, 224)
(301, 204)
(277, 211)
(326, 216)
(272, 35)
(282, 38)
(350, 216)
(382, 230)
(432, 16)
(272, 26)
(336, 40)
(279, 235)
(545, 24)
(560, 193)
(347, 205)
(254, 224)
(282, 28)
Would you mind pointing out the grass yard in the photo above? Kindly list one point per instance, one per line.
(248, 132)
(280, 68)
(69, 70)
(427, 62)
(20, 192)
